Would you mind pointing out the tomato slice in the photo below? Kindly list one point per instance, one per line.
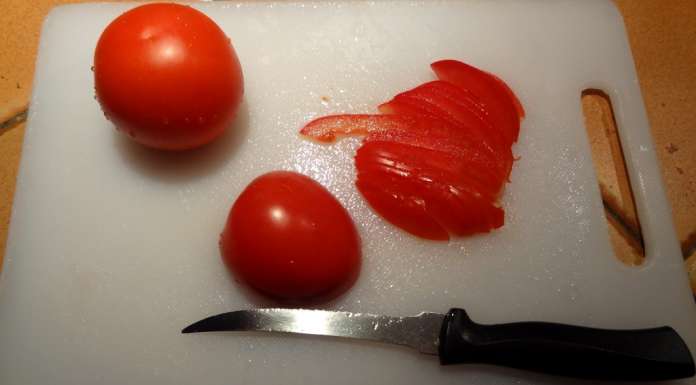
(417, 162)
(440, 99)
(458, 107)
(328, 128)
(504, 109)
(518, 106)
(400, 208)
(486, 169)
(421, 197)
(412, 188)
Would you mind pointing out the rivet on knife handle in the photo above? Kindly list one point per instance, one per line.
(644, 354)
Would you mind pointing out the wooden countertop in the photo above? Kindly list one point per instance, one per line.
(661, 34)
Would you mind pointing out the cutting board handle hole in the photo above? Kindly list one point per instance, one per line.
(614, 183)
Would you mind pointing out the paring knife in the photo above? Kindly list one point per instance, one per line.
(574, 351)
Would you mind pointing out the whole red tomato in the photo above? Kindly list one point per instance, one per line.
(288, 237)
(167, 76)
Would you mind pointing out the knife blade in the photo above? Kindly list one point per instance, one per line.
(420, 332)
(558, 349)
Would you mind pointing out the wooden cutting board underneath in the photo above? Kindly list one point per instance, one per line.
(113, 248)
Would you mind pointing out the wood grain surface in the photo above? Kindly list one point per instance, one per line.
(661, 34)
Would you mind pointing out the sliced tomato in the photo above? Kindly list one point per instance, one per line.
(503, 108)
(442, 100)
(490, 166)
(460, 211)
(436, 134)
(424, 191)
(400, 209)
(518, 106)
(422, 163)
(482, 168)
(328, 128)
(434, 163)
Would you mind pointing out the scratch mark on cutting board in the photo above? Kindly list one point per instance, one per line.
(14, 121)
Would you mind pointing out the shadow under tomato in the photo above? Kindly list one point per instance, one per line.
(261, 300)
(181, 166)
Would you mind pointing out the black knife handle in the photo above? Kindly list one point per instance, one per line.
(574, 351)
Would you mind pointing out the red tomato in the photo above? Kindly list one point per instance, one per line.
(435, 161)
(501, 104)
(442, 101)
(426, 132)
(426, 192)
(167, 76)
(422, 174)
(289, 238)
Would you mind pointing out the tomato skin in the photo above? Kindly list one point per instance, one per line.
(289, 238)
(167, 76)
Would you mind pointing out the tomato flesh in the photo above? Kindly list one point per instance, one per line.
(328, 128)
(289, 238)
(436, 159)
(167, 76)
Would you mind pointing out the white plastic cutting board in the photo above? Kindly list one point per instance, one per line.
(113, 248)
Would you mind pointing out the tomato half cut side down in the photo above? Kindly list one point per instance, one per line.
(167, 76)
(289, 238)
